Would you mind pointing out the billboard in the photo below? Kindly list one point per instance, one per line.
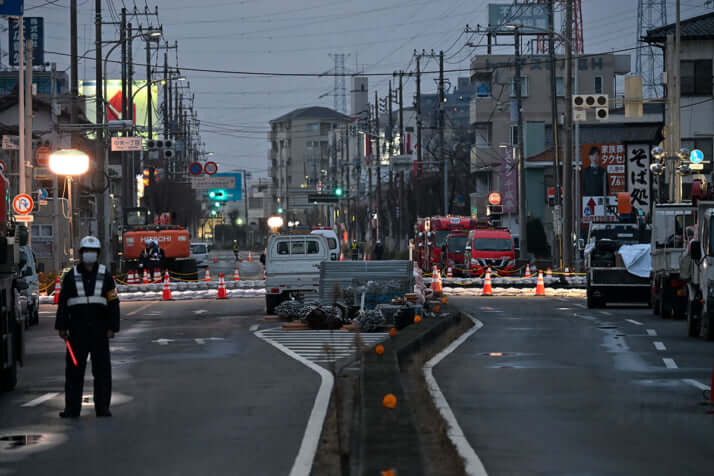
(638, 176)
(534, 15)
(602, 177)
(509, 182)
(113, 97)
(35, 31)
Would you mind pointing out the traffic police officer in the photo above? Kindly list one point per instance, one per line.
(87, 317)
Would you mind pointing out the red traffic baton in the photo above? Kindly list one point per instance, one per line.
(71, 353)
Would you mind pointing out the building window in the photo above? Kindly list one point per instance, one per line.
(315, 128)
(559, 86)
(696, 77)
(524, 87)
(598, 85)
(514, 135)
(482, 83)
(42, 231)
(482, 133)
(705, 145)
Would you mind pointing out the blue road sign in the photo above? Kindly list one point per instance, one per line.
(35, 31)
(195, 168)
(11, 7)
(696, 156)
(235, 193)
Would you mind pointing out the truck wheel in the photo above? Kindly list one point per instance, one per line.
(591, 300)
(656, 304)
(36, 317)
(271, 302)
(693, 323)
(8, 378)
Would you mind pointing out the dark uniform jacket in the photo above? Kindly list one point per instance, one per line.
(92, 314)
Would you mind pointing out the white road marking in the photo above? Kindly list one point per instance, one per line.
(254, 327)
(472, 463)
(200, 341)
(606, 313)
(632, 321)
(696, 383)
(321, 345)
(44, 313)
(659, 345)
(200, 311)
(163, 341)
(670, 363)
(41, 399)
(140, 308)
(651, 332)
(153, 313)
(582, 306)
(308, 447)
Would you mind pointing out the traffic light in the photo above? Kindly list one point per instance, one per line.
(338, 191)
(280, 210)
(218, 194)
(213, 213)
(217, 205)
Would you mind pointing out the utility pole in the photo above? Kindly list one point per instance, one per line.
(149, 102)
(379, 165)
(28, 120)
(521, 156)
(676, 110)
(122, 39)
(166, 96)
(557, 221)
(74, 93)
(442, 141)
(22, 152)
(418, 112)
(99, 140)
(390, 138)
(568, 162)
(347, 166)
(401, 113)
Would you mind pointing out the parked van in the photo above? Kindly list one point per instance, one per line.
(333, 242)
(292, 267)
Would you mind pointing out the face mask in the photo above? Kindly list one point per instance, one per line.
(89, 257)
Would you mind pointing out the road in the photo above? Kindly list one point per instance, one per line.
(580, 391)
(195, 392)
(223, 261)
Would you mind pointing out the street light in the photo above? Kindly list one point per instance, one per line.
(275, 222)
(69, 162)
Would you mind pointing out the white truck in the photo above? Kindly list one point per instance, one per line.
(292, 267)
(672, 228)
(697, 269)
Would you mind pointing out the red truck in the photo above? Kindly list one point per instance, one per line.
(455, 255)
(431, 235)
(490, 247)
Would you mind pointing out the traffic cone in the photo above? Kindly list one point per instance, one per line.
(58, 290)
(132, 279)
(487, 289)
(207, 276)
(449, 272)
(342, 256)
(145, 279)
(567, 272)
(250, 257)
(157, 276)
(528, 271)
(549, 273)
(436, 282)
(540, 286)
(166, 290)
(236, 273)
(221, 288)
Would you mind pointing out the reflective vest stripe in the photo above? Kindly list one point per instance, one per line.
(82, 297)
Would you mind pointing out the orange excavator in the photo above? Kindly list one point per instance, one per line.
(174, 240)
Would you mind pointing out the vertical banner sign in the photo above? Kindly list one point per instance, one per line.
(12, 8)
(509, 182)
(638, 178)
(603, 176)
(35, 31)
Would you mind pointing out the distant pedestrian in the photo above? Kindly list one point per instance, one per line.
(87, 317)
(354, 248)
(236, 249)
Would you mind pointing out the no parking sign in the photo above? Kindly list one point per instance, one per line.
(23, 204)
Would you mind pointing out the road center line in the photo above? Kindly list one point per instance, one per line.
(41, 399)
(659, 345)
(200, 341)
(582, 306)
(140, 308)
(632, 321)
(651, 332)
(696, 383)
(606, 313)
(670, 363)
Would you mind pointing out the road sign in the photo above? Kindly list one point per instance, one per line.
(696, 156)
(42, 156)
(2, 167)
(24, 218)
(696, 166)
(122, 144)
(11, 8)
(195, 168)
(10, 142)
(322, 198)
(23, 204)
(35, 31)
(208, 183)
(210, 168)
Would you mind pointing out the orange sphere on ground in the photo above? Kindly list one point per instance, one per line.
(417, 318)
(437, 308)
(444, 300)
(379, 349)
(392, 332)
(389, 400)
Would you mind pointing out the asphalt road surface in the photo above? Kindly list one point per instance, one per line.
(580, 391)
(195, 393)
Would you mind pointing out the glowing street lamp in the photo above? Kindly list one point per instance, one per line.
(275, 222)
(69, 162)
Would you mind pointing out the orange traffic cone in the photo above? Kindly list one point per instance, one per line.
(130, 277)
(436, 282)
(221, 288)
(145, 279)
(58, 290)
(207, 276)
(166, 290)
(540, 286)
(449, 272)
(236, 273)
(528, 271)
(487, 289)
(549, 273)
(342, 256)
(250, 257)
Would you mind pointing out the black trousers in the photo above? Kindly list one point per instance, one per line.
(85, 340)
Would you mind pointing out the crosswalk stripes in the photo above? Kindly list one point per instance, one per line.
(322, 346)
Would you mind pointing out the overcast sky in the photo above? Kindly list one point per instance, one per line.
(297, 36)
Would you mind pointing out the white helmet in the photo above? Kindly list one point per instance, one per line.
(90, 243)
